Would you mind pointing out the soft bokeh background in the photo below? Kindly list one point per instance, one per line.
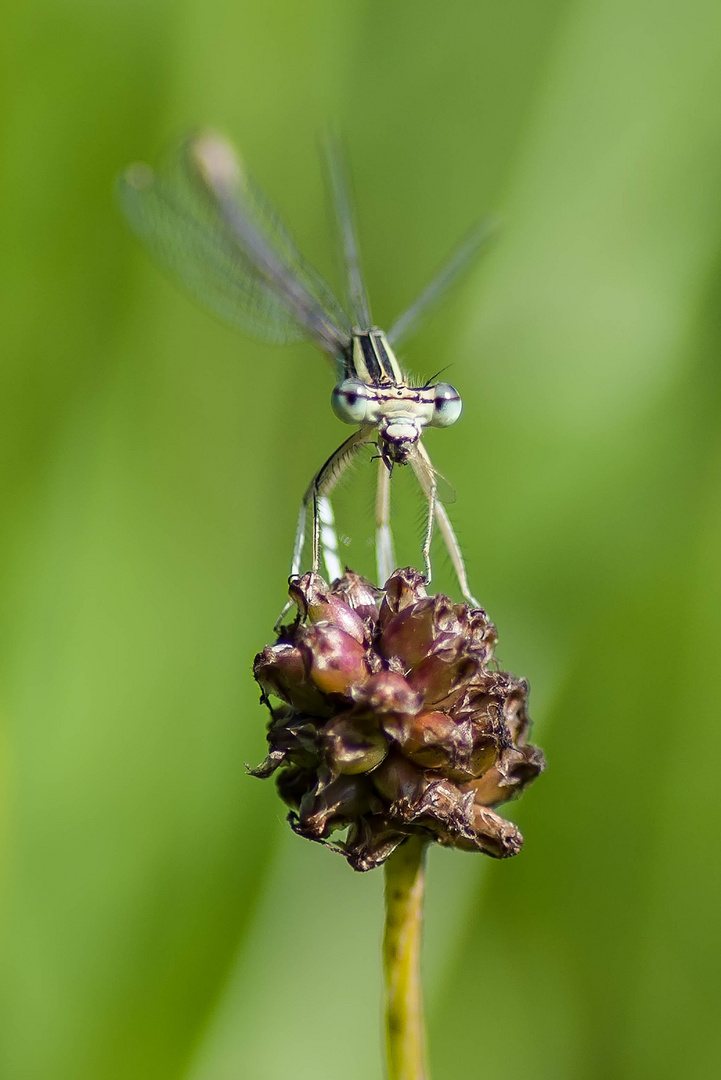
(159, 921)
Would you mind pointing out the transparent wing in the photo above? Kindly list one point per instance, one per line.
(345, 222)
(436, 289)
(204, 220)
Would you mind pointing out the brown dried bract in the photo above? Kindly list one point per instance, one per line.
(389, 716)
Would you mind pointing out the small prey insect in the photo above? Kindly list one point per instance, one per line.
(203, 218)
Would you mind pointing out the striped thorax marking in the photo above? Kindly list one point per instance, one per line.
(371, 359)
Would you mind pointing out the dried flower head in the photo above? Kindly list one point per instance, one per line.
(389, 716)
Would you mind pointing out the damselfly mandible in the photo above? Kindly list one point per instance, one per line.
(203, 218)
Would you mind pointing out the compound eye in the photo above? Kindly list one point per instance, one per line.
(349, 401)
(447, 405)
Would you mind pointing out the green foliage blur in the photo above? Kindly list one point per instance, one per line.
(159, 920)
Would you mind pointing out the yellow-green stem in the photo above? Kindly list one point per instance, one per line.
(405, 1028)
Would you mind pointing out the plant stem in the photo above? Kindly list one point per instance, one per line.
(405, 1028)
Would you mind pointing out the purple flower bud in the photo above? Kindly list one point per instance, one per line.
(371, 840)
(442, 807)
(515, 769)
(293, 784)
(409, 635)
(317, 603)
(485, 752)
(428, 740)
(495, 835)
(333, 805)
(297, 739)
(283, 671)
(335, 660)
(387, 692)
(358, 594)
(398, 780)
(481, 634)
(441, 677)
(353, 743)
(514, 712)
(404, 587)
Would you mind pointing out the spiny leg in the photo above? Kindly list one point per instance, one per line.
(453, 548)
(426, 477)
(325, 480)
(316, 496)
(425, 474)
(299, 541)
(329, 538)
(297, 558)
(432, 502)
(385, 555)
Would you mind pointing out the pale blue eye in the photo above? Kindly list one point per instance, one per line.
(349, 401)
(447, 405)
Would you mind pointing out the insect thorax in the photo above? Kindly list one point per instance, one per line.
(371, 359)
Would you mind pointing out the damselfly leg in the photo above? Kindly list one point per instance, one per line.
(317, 499)
(427, 479)
(385, 554)
(329, 539)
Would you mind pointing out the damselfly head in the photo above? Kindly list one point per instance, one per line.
(399, 412)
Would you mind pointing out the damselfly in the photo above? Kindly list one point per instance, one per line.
(204, 219)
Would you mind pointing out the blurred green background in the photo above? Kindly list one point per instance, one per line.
(159, 920)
